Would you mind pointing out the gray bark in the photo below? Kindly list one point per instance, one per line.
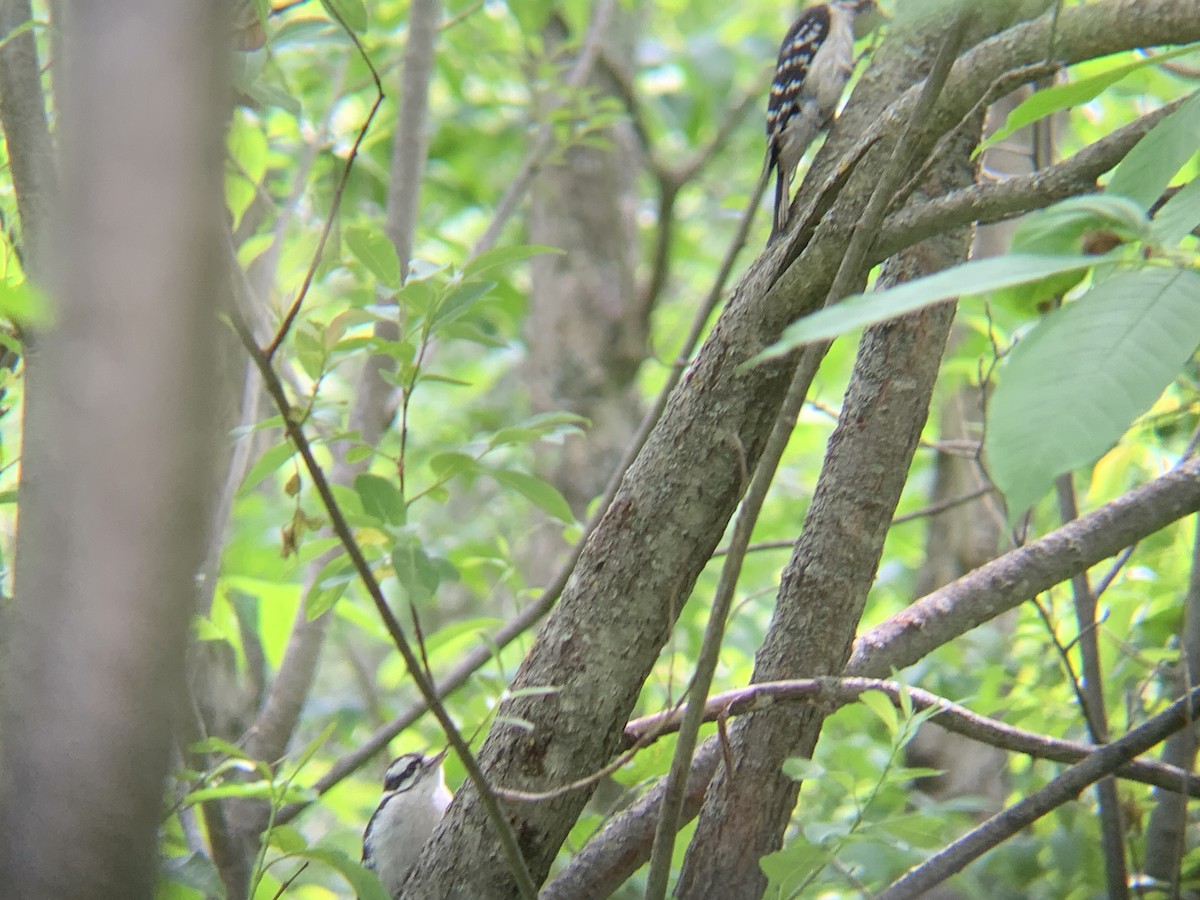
(26, 134)
(586, 329)
(118, 405)
(640, 564)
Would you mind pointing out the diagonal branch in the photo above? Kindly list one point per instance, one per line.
(1061, 790)
(341, 527)
(1009, 580)
(996, 201)
(832, 693)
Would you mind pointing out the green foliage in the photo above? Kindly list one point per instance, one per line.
(1074, 384)
(450, 506)
(1077, 91)
(864, 815)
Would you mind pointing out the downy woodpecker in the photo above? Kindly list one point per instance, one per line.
(815, 62)
(415, 797)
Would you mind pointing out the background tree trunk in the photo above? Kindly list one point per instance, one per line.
(116, 479)
(586, 332)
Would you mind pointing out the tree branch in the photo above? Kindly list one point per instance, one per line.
(1061, 790)
(833, 693)
(26, 133)
(1009, 580)
(995, 201)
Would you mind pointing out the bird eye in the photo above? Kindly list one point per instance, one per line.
(401, 772)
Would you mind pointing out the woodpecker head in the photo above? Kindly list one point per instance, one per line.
(414, 799)
(414, 774)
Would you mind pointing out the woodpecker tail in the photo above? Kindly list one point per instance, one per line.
(781, 202)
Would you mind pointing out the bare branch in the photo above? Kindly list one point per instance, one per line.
(996, 201)
(833, 693)
(26, 132)
(1009, 580)
(1061, 790)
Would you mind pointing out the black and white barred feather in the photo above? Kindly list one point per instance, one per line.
(815, 62)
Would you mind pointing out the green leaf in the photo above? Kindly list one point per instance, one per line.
(246, 790)
(1063, 229)
(531, 14)
(444, 379)
(1178, 216)
(415, 571)
(459, 301)
(446, 465)
(254, 247)
(350, 12)
(541, 493)
(504, 256)
(375, 251)
(380, 498)
(287, 839)
(801, 769)
(328, 587)
(1059, 229)
(1148, 168)
(1074, 93)
(455, 631)
(248, 151)
(195, 871)
(417, 296)
(219, 746)
(1073, 385)
(272, 459)
(881, 705)
(977, 277)
(536, 427)
(22, 302)
(364, 882)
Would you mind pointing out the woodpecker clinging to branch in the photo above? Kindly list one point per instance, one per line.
(414, 799)
(815, 62)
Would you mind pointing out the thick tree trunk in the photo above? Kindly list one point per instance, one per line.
(593, 653)
(118, 405)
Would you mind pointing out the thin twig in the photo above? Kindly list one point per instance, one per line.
(294, 310)
(1061, 790)
(833, 693)
(337, 521)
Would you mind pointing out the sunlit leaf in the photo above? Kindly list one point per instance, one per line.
(504, 256)
(976, 277)
(350, 12)
(328, 587)
(1075, 383)
(881, 705)
(1148, 168)
(1075, 92)
(22, 302)
(541, 493)
(271, 460)
(375, 250)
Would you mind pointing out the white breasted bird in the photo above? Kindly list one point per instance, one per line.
(415, 797)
